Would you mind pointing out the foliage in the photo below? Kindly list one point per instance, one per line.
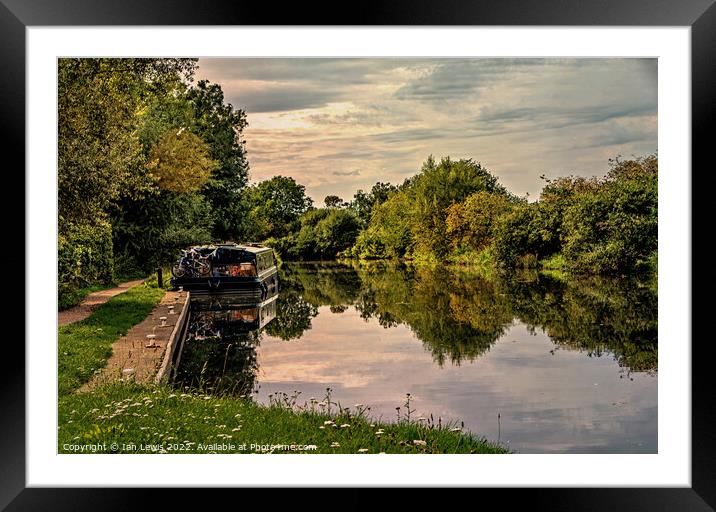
(332, 201)
(411, 221)
(221, 127)
(99, 154)
(180, 162)
(275, 206)
(471, 223)
(614, 228)
(364, 202)
(102, 153)
(84, 258)
(151, 232)
(324, 233)
(388, 234)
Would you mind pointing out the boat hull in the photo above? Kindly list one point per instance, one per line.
(262, 286)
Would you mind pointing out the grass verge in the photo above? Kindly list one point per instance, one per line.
(158, 419)
(146, 419)
(85, 346)
(73, 298)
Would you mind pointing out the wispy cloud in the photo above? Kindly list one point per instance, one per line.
(337, 125)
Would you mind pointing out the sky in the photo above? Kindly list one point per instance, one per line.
(339, 125)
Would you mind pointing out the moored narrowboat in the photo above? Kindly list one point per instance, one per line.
(227, 267)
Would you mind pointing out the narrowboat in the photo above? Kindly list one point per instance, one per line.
(229, 267)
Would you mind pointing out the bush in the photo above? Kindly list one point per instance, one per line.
(84, 256)
(614, 228)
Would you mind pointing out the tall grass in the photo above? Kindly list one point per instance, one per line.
(129, 418)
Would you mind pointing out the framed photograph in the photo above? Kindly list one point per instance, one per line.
(445, 246)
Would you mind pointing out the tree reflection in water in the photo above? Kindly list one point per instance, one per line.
(457, 314)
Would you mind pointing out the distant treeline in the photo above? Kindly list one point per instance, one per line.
(150, 162)
(457, 211)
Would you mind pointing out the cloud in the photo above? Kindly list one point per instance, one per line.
(337, 125)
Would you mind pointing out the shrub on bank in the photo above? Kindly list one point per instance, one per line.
(84, 256)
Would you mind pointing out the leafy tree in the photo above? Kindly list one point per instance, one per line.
(472, 223)
(412, 220)
(614, 228)
(276, 205)
(332, 201)
(221, 127)
(101, 160)
(363, 203)
(99, 154)
(337, 232)
(180, 162)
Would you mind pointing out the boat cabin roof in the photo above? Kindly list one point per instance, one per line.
(248, 247)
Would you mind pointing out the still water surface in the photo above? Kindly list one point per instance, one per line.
(569, 366)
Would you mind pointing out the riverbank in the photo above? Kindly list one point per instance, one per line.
(141, 418)
(129, 418)
(85, 346)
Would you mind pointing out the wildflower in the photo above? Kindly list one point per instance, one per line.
(329, 422)
(422, 419)
(456, 429)
(362, 450)
(335, 445)
(221, 426)
(345, 425)
(372, 425)
(419, 442)
(322, 427)
(236, 429)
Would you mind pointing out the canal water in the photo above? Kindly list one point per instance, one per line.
(544, 364)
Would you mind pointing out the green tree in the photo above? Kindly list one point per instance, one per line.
(101, 161)
(221, 127)
(614, 228)
(472, 223)
(180, 162)
(275, 206)
(99, 154)
(333, 201)
(364, 202)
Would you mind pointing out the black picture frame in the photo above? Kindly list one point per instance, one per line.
(700, 15)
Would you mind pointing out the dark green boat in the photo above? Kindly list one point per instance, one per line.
(228, 267)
